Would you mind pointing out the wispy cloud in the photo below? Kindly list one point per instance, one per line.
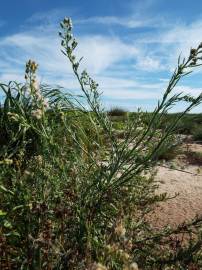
(168, 44)
(106, 56)
(130, 22)
(100, 52)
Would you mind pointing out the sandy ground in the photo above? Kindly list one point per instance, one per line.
(188, 203)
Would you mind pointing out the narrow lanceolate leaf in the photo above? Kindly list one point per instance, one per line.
(2, 188)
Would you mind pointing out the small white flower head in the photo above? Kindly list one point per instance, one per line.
(129, 244)
(37, 113)
(126, 256)
(35, 85)
(133, 266)
(38, 96)
(98, 266)
(120, 230)
(46, 103)
(39, 159)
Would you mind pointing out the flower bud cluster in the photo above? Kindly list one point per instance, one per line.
(68, 42)
(31, 67)
(87, 81)
(33, 87)
(193, 52)
(67, 23)
(30, 76)
(194, 55)
(38, 159)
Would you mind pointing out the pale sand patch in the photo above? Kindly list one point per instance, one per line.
(187, 204)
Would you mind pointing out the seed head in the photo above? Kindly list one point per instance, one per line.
(133, 266)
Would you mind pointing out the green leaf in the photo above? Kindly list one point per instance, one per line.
(2, 188)
(2, 213)
(13, 233)
(7, 224)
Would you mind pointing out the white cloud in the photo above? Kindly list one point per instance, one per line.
(194, 91)
(130, 22)
(103, 55)
(102, 52)
(99, 52)
(147, 63)
(174, 40)
(14, 76)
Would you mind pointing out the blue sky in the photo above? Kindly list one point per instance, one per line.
(130, 47)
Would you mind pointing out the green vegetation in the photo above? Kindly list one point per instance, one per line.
(189, 124)
(72, 195)
(197, 133)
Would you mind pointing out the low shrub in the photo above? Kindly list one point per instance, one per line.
(197, 133)
(169, 153)
(117, 111)
(194, 158)
(119, 125)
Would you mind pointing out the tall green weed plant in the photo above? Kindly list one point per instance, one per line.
(73, 196)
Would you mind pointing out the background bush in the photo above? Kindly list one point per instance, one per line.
(197, 133)
(117, 111)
